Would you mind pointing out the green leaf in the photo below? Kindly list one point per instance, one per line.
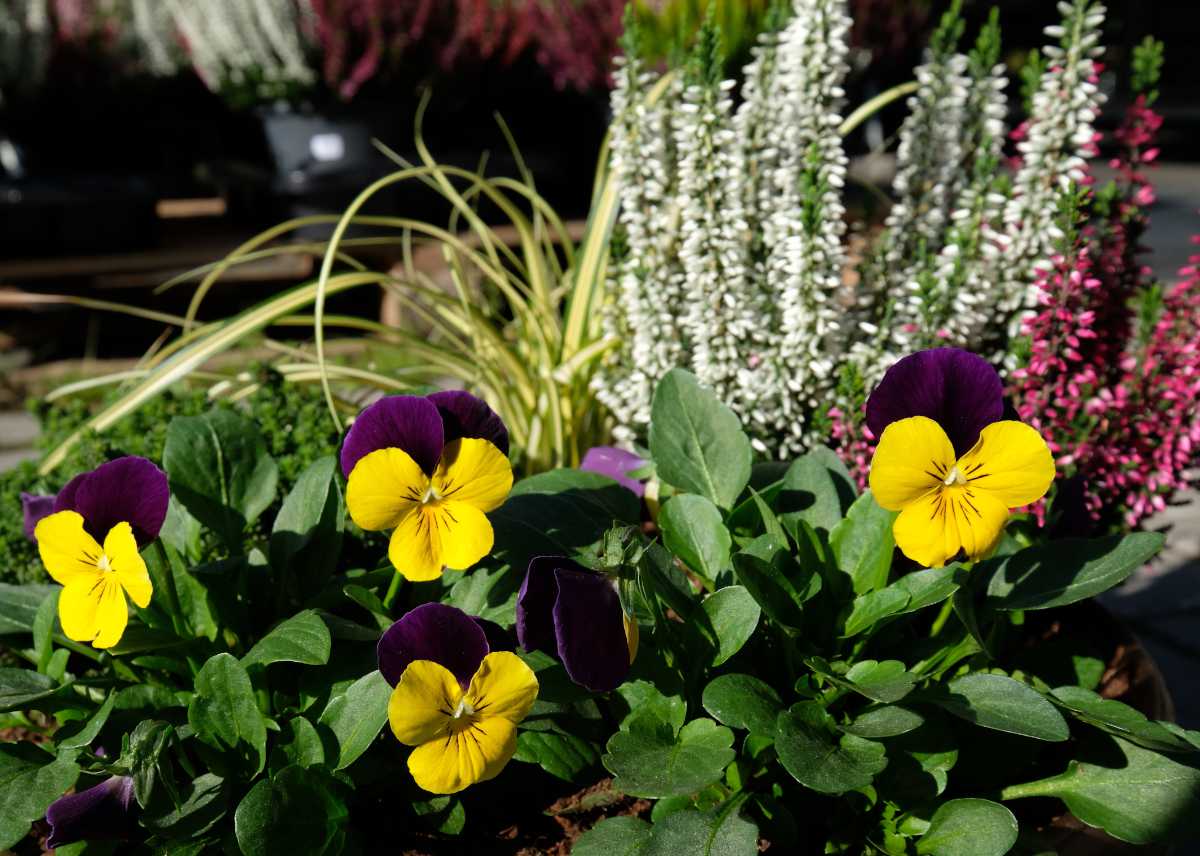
(301, 745)
(294, 813)
(563, 755)
(22, 688)
(303, 638)
(969, 827)
(888, 721)
(356, 716)
(1069, 570)
(30, 780)
(487, 593)
(71, 736)
(696, 442)
(743, 701)
(1124, 721)
(306, 538)
(656, 763)
(692, 529)
(219, 469)
(648, 704)
(614, 836)
(19, 606)
(202, 803)
(1003, 704)
(871, 608)
(819, 757)
(1132, 793)
(713, 833)
(194, 608)
(930, 586)
(559, 513)
(885, 681)
(734, 616)
(43, 630)
(224, 714)
(775, 581)
(863, 544)
(817, 489)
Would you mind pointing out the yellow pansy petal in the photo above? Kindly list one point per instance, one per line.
(466, 534)
(980, 517)
(924, 533)
(112, 615)
(503, 686)
(68, 551)
(383, 487)
(93, 611)
(475, 472)
(124, 560)
(421, 705)
(1011, 462)
(416, 546)
(475, 753)
(77, 606)
(913, 457)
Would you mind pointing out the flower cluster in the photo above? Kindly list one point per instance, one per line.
(946, 460)
(732, 261)
(90, 544)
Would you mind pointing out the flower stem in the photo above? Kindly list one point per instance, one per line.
(393, 590)
(942, 618)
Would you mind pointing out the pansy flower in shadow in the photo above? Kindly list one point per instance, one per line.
(34, 507)
(90, 545)
(100, 813)
(454, 699)
(428, 469)
(958, 390)
(615, 463)
(568, 611)
(949, 502)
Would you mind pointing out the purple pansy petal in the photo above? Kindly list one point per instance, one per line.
(616, 464)
(464, 415)
(955, 388)
(129, 489)
(535, 604)
(433, 631)
(34, 507)
(103, 812)
(590, 627)
(407, 422)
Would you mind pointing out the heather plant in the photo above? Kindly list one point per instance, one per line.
(732, 257)
(781, 660)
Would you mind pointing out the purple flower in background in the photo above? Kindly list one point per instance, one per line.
(567, 610)
(422, 427)
(955, 388)
(104, 812)
(34, 507)
(128, 490)
(616, 464)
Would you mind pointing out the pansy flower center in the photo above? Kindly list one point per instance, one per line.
(954, 477)
(464, 709)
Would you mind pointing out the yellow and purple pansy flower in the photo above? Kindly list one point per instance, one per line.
(428, 469)
(90, 544)
(454, 699)
(100, 813)
(568, 611)
(946, 460)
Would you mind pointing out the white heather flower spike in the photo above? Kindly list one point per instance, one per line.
(1058, 138)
